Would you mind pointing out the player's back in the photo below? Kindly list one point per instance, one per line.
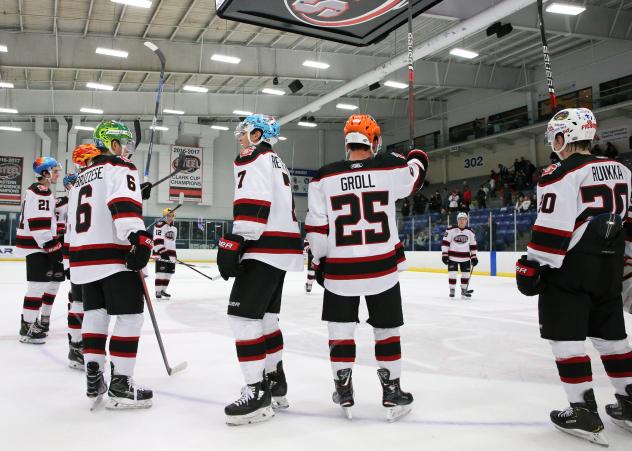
(104, 206)
(358, 199)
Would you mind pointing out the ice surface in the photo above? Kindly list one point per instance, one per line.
(481, 376)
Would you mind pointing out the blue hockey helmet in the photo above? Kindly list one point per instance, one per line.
(45, 164)
(270, 128)
(70, 178)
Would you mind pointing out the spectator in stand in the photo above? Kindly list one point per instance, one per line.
(506, 195)
(516, 166)
(524, 204)
(530, 170)
(467, 195)
(611, 151)
(405, 207)
(453, 201)
(445, 202)
(464, 207)
(435, 203)
(481, 197)
(493, 183)
(419, 203)
(3, 231)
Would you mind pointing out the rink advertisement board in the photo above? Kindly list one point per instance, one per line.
(11, 169)
(300, 180)
(353, 22)
(191, 180)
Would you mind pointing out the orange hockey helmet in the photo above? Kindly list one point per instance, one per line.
(363, 129)
(83, 153)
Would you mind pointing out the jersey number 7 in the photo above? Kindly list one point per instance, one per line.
(359, 209)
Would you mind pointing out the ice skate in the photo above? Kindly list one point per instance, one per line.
(44, 323)
(451, 292)
(31, 333)
(278, 387)
(158, 295)
(397, 402)
(125, 394)
(75, 356)
(343, 395)
(96, 387)
(165, 295)
(581, 420)
(308, 287)
(254, 405)
(465, 294)
(621, 412)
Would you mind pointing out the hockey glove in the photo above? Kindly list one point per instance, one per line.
(474, 261)
(320, 271)
(138, 256)
(53, 250)
(529, 277)
(145, 190)
(445, 259)
(229, 250)
(421, 156)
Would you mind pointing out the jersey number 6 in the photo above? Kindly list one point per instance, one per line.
(356, 208)
(83, 218)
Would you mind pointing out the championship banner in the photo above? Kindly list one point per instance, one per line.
(11, 169)
(190, 180)
(300, 180)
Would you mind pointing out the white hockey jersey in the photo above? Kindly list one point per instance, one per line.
(351, 221)
(37, 220)
(459, 245)
(263, 210)
(165, 239)
(61, 215)
(570, 194)
(104, 207)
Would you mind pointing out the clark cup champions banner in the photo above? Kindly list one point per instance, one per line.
(11, 169)
(191, 179)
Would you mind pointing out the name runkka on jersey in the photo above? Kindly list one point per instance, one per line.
(459, 245)
(351, 221)
(37, 220)
(570, 194)
(263, 209)
(104, 207)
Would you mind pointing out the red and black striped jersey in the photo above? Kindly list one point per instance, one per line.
(570, 194)
(165, 241)
(104, 207)
(37, 220)
(263, 209)
(61, 214)
(351, 221)
(459, 245)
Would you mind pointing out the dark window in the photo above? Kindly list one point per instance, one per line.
(507, 120)
(426, 142)
(581, 98)
(615, 91)
(469, 130)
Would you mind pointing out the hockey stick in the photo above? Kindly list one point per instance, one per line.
(211, 278)
(547, 60)
(180, 201)
(180, 366)
(411, 81)
(154, 48)
(180, 166)
(138, 131)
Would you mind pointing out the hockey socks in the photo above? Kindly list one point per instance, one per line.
(251, 347)
(342, 347)
(388, 351)
(124, 343)
(48, 298)
(33, 301)
(162, 282)
(616, 356)
(75, 318)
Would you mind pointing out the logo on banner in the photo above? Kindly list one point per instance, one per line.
(338, 13)
(191, 164)
(9, 171)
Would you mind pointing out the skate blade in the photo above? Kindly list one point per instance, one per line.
(95, 402)
(347, 412)
(594, 437)
(125, 404)
(627, 425)
(76, 365)
(258, 416)
(395, 413)
(280, 402)
(32, 341)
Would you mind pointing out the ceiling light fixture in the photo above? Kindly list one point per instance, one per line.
(10, 129)
(274, 92)
(91, 110)
(9, 110)
(565, 8)
(346, 106)
(111, 52)
(225, 59)
(3, 48)
(6, 84)
(84, 127)
(99, 86)
(139, 3)
(168, 111)
(395, 84)
(315, 64)
(307, 124)
(282, 138)
(242, 113)
(160, 128)
(193, 88)
(219, 127)
(462, 53)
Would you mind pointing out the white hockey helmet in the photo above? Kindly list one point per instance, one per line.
(462, 215)
(575, 124)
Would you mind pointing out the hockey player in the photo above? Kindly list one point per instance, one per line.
(574, 263)
(352, 233)
(311, 273)
(108, 246)
(36, 240)
(75, 302)
(264, 244)
(458, 250)
(165, 234)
